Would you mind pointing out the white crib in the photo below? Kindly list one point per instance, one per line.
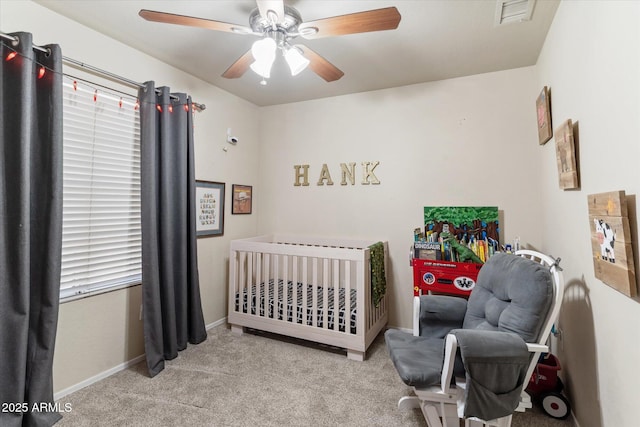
(280, 284)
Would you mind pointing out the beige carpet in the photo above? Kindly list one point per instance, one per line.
(256, 380)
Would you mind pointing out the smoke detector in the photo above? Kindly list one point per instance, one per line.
(511, 11)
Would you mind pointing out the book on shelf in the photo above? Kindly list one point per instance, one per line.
(427, 250)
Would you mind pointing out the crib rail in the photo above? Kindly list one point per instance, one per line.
(317, 289)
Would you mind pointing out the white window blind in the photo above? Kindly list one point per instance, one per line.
(101, 237)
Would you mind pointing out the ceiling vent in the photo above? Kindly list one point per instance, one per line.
(510, 11)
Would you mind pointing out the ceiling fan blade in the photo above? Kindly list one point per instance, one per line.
(387, 18)
(277, 6)
(238, 68)
(170, 18)
(319, 65)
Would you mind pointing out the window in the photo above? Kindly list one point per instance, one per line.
(101, 237)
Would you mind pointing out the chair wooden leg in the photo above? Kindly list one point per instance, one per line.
(450, 415)
(408, 402)
(504, 421)
(439, 414)
(431, 415)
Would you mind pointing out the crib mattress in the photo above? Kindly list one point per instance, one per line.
(277, 309)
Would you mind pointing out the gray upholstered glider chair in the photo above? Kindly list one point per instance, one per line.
(472, 359)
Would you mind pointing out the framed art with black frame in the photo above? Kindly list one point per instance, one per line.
(209, 208)
(242, 199)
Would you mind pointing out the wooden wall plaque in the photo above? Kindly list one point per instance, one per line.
(543, 110)
(566, 157)
(611, 241)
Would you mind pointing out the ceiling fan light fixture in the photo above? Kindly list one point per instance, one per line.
(262, 68)
(264, 49)
(264, 53)
(296, 61)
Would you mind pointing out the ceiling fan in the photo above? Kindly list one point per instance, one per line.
(278, 25)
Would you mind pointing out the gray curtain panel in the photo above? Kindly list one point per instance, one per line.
(172, 310)
(30, 230)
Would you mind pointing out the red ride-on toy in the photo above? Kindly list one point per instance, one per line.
(546, 387)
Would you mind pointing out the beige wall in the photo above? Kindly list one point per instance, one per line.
(102, 332)
(467, 141)
(591, 62)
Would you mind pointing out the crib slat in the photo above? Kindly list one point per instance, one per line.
(234, 294)
(257, 259)
(347, 297)
(314, 294)
(266, 274)
(250, 277)
(325, 293)
(305, 280)
(285, 281)
(294, 281)
(276, 273)
(246, 272)
(336, 294)
(258, 281)
(242, 258)
(251, 282)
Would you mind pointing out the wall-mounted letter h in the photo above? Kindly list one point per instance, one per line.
(302, 171)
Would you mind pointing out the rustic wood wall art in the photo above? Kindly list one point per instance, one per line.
(566, 157)
(543, 108)
(611, 241)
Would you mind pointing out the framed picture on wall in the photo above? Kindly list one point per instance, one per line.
(242, 199)
(611, 241)
(566, 157)
(543, 107)
(209, 208)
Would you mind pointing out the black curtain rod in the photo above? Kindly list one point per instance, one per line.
(14, 41)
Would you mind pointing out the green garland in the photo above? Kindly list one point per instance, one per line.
(378, 277)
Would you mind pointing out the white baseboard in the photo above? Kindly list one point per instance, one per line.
(575, 421)
(96, 378)
(121, 367)
(216, 323)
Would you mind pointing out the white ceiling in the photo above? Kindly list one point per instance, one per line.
(436, 39)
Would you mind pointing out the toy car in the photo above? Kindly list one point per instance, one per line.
(546, 387)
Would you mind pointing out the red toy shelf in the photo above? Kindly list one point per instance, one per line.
(444, 277)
